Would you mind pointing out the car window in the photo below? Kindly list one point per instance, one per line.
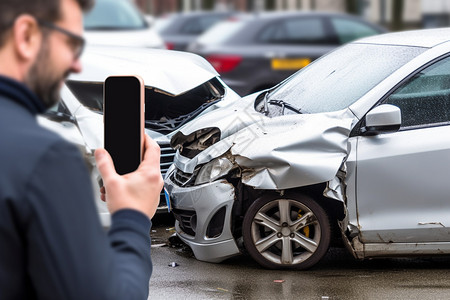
(425, 98)
(349, 30)
(295, 31)
(163, 23)
(221, 32)
(113, 14)
(199, 24)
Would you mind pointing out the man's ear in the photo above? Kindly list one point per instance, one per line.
(27, 37)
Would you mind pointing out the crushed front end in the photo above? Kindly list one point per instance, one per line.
(219, 171)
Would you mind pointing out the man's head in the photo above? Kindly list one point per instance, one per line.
(40, 43)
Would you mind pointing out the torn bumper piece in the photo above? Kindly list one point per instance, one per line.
(203, 218)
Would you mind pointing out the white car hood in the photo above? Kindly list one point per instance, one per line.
(274, 153)
(153, 65)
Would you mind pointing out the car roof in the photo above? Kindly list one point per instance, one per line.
(173, 72)
(200, 13)
(416, 38)
(298, 13)
(286, 14)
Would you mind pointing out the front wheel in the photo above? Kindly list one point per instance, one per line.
(286, 232)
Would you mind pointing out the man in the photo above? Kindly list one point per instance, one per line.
(51, 243)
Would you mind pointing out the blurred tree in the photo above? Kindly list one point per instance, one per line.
(352, 6)
(208, 4)
(397, 15)
(270, 5)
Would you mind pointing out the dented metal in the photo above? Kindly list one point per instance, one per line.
(334, 127)
(274, 153)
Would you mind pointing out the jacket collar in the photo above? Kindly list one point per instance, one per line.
(18, 92)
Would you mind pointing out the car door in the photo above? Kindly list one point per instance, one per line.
(403, 178)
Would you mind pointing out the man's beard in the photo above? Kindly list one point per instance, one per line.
(42, 79)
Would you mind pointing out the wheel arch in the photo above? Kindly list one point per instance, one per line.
(334, 209)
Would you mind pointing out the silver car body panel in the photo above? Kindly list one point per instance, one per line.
(371, 250)
(406, 153)
(413, 38)
(219, 194)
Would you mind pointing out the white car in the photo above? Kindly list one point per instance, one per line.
(120, 23)
(354, 147)
(178, 87)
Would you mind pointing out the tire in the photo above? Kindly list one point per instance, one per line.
(295, 239)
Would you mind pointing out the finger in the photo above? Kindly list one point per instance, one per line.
(105, 164)
(103, 190)
(152, 153)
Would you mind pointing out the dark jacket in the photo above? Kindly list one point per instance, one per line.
(52, 245)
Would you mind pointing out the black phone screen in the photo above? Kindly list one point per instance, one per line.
(122, 121)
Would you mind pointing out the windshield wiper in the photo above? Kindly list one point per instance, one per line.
(284, 105)
(266, 106)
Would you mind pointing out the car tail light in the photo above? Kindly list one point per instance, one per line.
(224, 63)
(170, 46)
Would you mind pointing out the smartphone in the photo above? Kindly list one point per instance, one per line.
(123, 118)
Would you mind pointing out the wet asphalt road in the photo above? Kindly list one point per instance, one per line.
(337, 276)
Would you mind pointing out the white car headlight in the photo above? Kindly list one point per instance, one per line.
(214, 170)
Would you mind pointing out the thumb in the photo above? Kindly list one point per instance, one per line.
(105, 164)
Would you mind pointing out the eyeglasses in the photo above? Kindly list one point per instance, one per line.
(77, 42)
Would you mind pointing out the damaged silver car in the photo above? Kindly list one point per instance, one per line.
(178, 88)
(352, 148)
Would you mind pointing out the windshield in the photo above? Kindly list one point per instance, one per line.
(113, 15)
(162, 23)
(221, 31)
(338, 79)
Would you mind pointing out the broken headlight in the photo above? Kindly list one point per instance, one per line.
(214, 170)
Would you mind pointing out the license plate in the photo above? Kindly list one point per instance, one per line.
(289, 63)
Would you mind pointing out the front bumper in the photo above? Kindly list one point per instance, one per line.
(203, 218)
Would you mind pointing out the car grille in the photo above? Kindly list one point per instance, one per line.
(166, 159)
(187, 220)
(167, 156)
(183, 179)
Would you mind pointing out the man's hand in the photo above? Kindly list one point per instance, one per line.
(138, 190)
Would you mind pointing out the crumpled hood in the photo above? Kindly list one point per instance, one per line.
(274, 153)
(170, 71)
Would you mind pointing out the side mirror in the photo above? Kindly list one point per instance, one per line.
(59, 117)
(385, 118)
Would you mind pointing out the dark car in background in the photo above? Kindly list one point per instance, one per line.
(178, 30)
(255, 52)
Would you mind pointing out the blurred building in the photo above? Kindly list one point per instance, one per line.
(413, 13)
(436, 13)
